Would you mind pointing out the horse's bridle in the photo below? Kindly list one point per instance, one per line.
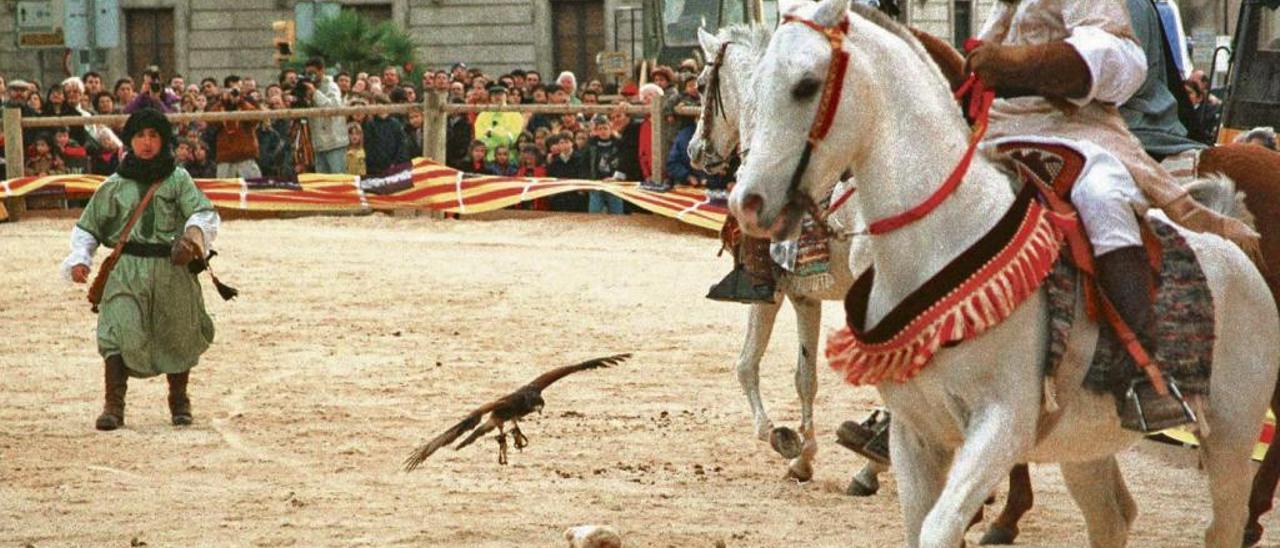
(980, 99)
(712, 106)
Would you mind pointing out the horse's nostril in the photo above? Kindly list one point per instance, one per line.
(752, 204)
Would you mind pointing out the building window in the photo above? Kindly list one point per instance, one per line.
(373, 12)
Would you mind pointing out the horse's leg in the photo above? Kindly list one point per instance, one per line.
(808, 323)
(759, 329)
(1226, 455)
(1099, 491)
(921, 476)
(997, 437)
(1005, 529)
(1263, 494)
(867, 481)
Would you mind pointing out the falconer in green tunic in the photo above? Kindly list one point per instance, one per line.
(152, 318)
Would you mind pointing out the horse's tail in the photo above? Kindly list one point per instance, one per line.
(1218, 193)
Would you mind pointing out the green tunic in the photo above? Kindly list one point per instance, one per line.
(152, 313)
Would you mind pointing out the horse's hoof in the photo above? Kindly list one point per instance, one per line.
(763, 431)
(997, 535)
(858, 489)
(800, 470)
(786, 442)
(1252, 535)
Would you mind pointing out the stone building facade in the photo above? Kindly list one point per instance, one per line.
(199, 38)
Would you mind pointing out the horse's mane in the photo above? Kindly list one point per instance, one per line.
(882, 20)
(754, 37)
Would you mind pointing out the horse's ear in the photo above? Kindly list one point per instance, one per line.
(787, 6)
(831, 12)
(710, 44)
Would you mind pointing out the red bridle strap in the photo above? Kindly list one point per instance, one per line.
(980, 100)
(834, 83)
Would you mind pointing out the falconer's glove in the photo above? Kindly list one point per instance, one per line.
(188, 247)
(1054, 70)
(1190, 214)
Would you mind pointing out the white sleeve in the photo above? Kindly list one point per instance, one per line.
(208, 223)
(1117, 66)
(83, 246)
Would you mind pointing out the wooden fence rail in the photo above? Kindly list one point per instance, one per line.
(435, 122)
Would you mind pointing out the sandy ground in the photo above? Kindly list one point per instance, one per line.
(357, 338)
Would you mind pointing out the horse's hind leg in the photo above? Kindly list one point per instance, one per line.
(1005, 529)
(1262, 495)
(1100, 492)
(1226, 453)
(759, 329)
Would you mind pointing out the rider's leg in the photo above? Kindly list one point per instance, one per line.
(1106, 196)
(751, 280)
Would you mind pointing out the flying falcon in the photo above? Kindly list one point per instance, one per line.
(509, 408)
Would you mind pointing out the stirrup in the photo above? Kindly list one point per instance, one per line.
(1146, 411)
(869, 439)
(738, 287)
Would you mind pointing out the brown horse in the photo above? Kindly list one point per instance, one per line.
(1256, 172)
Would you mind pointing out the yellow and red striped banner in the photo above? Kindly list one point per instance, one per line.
(429, 186)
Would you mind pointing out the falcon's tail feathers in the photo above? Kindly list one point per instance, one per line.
(426, 450)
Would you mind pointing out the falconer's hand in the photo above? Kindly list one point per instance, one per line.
(1052, 70)
(187, 247)
(80, 273)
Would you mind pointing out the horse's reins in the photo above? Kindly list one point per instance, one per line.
(713, 105)
(980, 100)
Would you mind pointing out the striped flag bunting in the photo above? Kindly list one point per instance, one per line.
(424, 184)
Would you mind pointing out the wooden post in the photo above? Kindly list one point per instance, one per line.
(13, 160)
(15, 164)
(657, 148)
(435, 126)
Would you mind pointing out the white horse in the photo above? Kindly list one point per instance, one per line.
(967, 418)
(721, 126)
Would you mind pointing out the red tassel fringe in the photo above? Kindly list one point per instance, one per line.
(981, 302)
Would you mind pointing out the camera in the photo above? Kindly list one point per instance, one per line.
(155, 87)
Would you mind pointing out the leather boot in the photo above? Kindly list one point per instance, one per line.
(116, 379)
(1125, 277)
(869, 439)
(751, 280)
(179, 403)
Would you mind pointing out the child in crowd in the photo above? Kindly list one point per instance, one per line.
(502, 164)
(182, 152)
(200, 166)
(384, 141)
(528, 165)
(475, 162)
(45, 159)
(605, 156)
(414, 129)
(355, 150)
(564, 163)
(74, 155)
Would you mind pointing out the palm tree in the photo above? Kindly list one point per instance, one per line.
(357, 44)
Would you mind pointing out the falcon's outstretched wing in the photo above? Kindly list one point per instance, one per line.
(456, 431)
(544, 380)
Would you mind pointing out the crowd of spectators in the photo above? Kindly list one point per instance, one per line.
(614, 147)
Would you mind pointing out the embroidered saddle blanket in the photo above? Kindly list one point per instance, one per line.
(961, 302)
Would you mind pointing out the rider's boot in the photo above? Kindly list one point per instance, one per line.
(1125, 276)
(751, 280)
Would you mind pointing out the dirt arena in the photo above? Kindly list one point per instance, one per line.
(357, 338)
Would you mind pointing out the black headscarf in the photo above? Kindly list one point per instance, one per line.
(156, 169)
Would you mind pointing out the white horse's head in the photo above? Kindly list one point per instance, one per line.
(725, 85)
(778, 180)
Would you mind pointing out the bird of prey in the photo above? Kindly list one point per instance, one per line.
(507, 409)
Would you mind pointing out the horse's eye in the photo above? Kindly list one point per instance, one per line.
(806, 88)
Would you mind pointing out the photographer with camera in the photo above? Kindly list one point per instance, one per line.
(152, 94)
(235, 144)
(328, 133)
